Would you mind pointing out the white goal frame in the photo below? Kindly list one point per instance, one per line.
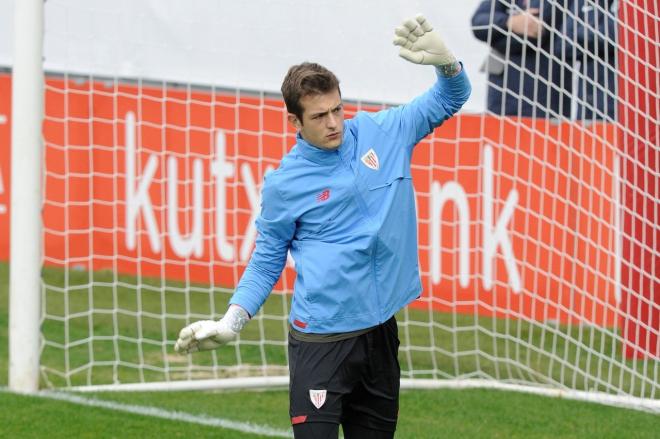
(26, 230)
(26, 311)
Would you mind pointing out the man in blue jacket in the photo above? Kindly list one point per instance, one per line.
(342, 201)
(529, 73)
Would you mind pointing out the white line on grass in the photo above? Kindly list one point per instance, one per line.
(243, 427)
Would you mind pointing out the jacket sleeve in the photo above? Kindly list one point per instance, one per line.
(275, 229)
(417, 119)
(489, 25)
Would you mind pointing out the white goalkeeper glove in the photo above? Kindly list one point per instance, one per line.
(205, 335)
(420, 45)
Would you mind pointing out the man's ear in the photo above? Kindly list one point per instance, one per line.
(293, 120)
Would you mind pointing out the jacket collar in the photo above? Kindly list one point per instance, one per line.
(320, 155)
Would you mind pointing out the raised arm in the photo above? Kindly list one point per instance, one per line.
(420, 44)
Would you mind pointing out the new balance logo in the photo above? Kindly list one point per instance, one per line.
(323, 196)
(370, 160)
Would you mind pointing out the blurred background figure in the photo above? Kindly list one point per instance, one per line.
(525, 77)
(591, 41)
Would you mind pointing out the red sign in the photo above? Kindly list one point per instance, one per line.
(516, 217)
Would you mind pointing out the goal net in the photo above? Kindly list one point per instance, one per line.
(539, 243)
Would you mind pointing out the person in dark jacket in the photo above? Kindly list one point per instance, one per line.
(591, 41)
(525, 75)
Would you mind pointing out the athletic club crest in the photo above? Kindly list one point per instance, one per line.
(317, 397)
(370, 160)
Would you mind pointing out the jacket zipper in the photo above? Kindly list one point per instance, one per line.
(365, 212)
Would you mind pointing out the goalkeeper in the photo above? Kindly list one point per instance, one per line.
(342, 201)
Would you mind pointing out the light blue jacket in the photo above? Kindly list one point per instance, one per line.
(351, 229)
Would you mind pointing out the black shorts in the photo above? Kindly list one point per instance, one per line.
(352, 381)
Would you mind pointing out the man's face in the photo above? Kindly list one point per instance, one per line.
(322, 122)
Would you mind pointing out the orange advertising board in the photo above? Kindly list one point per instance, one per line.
(515, 216)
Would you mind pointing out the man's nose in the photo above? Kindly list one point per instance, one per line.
(332, 120)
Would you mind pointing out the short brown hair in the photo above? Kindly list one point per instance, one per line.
(306, 79)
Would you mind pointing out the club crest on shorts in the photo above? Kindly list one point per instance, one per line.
(317, 397)
(370, 160)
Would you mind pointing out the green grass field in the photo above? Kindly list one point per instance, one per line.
(135, 334)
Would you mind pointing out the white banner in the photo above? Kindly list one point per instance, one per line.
(250, 44)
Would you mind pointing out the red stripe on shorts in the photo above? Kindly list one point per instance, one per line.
(298, 419)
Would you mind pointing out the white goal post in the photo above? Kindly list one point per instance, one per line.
(538, 236)
(26, 165)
